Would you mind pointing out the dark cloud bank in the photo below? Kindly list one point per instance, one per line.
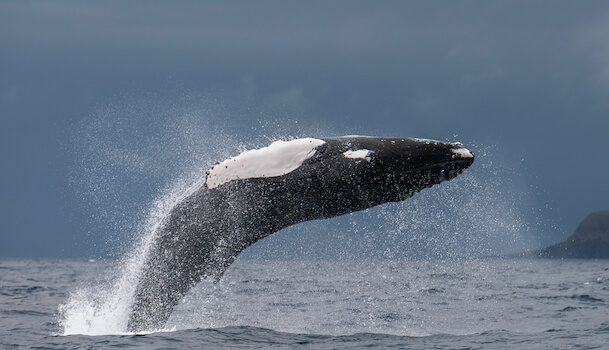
(100, 101)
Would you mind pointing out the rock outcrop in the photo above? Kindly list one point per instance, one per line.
(590, 240)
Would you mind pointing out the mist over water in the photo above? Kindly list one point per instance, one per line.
(139, 154)
(486, 211)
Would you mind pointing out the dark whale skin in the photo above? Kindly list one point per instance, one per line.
(208, 228)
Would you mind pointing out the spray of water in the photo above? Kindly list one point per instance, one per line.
(138, 141)
(129, 153)
(489, 210)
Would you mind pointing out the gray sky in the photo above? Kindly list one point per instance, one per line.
(102, 103)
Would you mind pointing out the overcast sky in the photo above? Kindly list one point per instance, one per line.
(102, 103)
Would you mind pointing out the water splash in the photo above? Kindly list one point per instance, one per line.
(489, 210)
(135, 142)
(103, 307)
(129, 152)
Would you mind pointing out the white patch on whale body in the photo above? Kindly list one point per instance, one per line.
(359, 154)
(462, 152)
(426, 141)
(279, 158)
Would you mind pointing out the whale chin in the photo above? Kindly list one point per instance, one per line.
(444, 171)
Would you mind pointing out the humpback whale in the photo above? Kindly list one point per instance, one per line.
(248, 197)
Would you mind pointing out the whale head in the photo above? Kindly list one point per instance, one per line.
(393, 168)
(343, 174)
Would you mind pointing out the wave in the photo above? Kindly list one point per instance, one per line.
(246, 337)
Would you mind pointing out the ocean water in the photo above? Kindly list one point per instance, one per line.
(322, 304)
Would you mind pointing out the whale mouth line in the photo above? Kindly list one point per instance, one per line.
(468, 161)
(462, 163)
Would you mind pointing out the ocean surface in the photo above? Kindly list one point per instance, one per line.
(321, 304)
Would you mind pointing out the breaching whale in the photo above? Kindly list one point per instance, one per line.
(253, 195)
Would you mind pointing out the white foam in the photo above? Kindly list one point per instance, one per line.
(462, 152)
(426, 141)
(279, 158)
(103, 307)
(359, 154)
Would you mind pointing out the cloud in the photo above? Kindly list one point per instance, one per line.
(9, 95)
(523, 75)
(590, 44)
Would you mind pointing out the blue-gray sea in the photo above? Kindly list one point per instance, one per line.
(320, 304)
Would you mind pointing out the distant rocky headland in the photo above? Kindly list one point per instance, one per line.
(590, 241)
